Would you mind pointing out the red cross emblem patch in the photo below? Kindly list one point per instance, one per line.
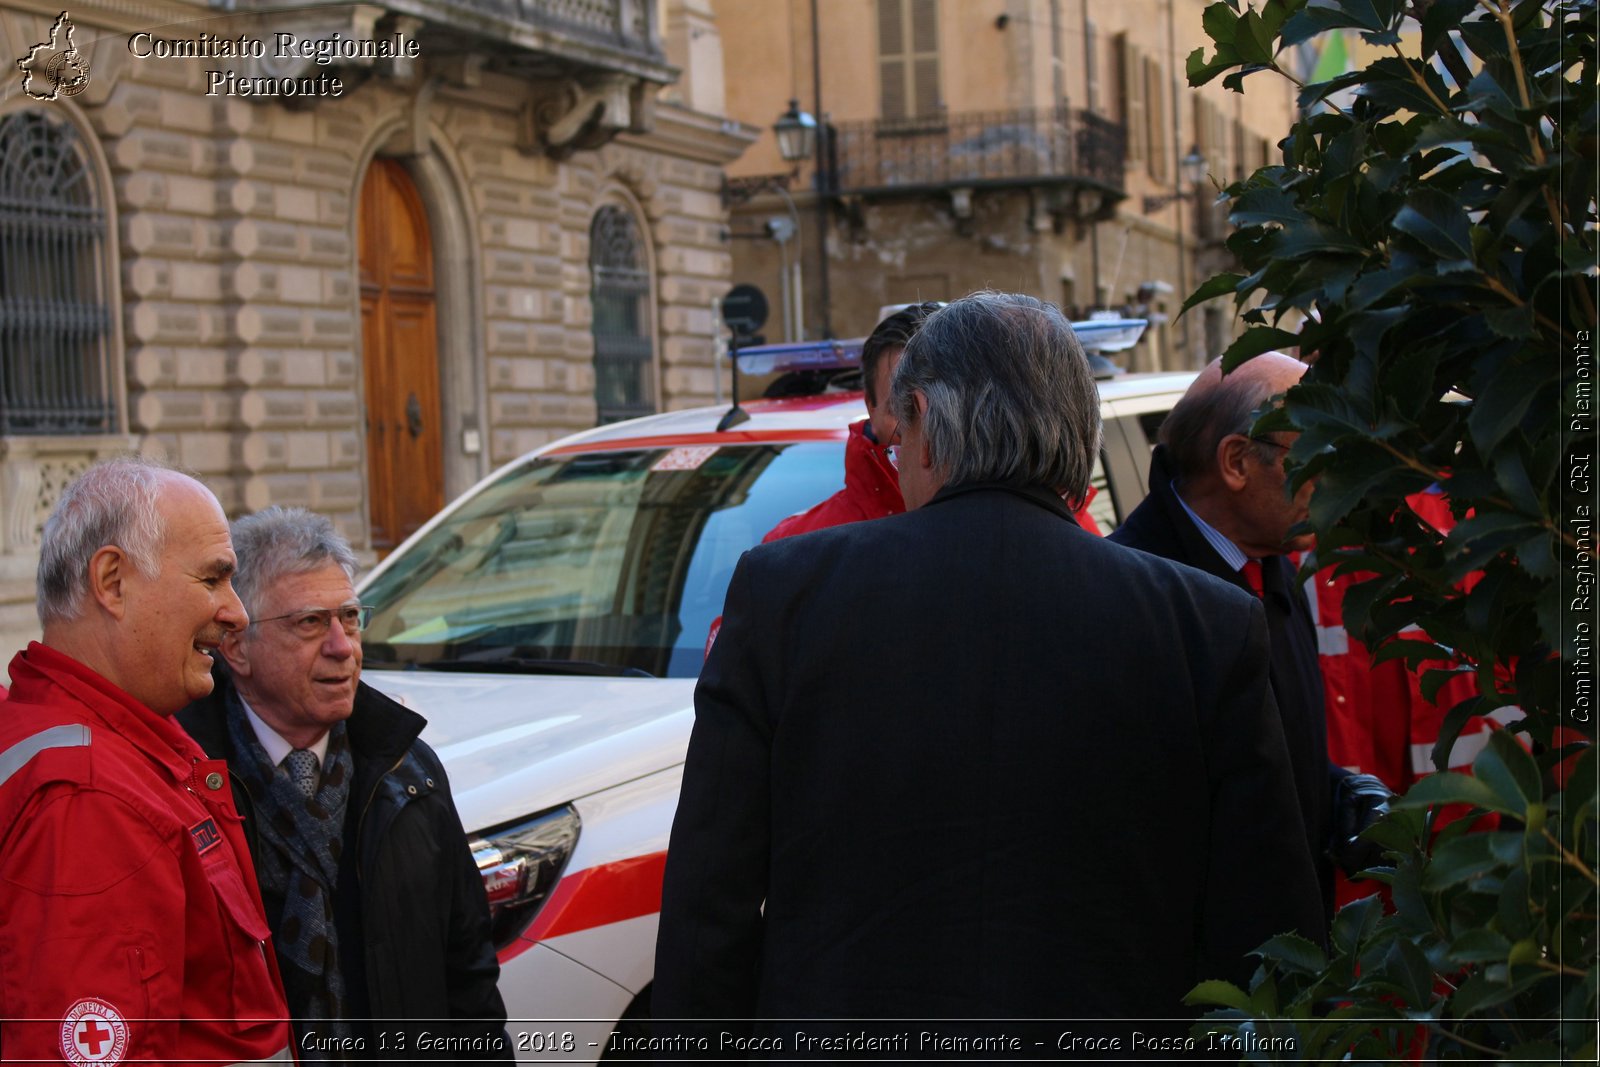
(93, 1031)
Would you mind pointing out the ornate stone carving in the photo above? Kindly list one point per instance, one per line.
(34, 472)
(574, 115)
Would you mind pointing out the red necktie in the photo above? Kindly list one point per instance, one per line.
(1252, 576)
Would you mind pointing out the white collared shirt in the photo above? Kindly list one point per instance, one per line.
(277, 748)
(1231, 553)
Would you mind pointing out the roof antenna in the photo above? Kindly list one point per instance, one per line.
(735, 414)
(744, 310)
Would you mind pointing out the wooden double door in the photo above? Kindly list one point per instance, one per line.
(400, 357)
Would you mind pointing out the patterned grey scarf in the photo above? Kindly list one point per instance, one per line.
(302, 838)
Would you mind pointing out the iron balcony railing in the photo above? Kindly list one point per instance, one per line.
(1033, 146)
(619, 35)
(622, 22)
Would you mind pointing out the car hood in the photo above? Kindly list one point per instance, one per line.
(514, 745)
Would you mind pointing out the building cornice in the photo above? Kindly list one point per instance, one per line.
(694, 135)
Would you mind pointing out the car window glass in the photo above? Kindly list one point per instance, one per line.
(621, 558)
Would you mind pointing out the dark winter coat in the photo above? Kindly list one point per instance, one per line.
(972, 761)
(409, 889)
(1160, 525)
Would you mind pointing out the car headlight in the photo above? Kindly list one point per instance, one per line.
(520, 864)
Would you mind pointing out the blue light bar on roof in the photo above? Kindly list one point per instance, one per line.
(801, 355)
(1109, 335)
(1096, 335)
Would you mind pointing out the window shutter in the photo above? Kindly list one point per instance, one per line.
(1156, 147)
(1130, 88)
(891, 59)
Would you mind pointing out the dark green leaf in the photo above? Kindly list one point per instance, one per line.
(1479, 992)
(1503, 402)
(1389, 87)
(1355, 923)
(1200, 70)
(1293, 953)
(1341, 489)
(1313, 238)
(1215, 991)
(1454, 719)
(1505, 767)
(1441, 17)
(1459, 861)
(1515, 323)
(1220, 22)
(1512, 476)
(1252, 40)
(1451, 788)
(1266, 204)
(1438, 222)
(1479, 946)
(1218, 285)
(1253, 342)
(1408, 968)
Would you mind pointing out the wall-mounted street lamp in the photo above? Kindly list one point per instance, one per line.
(796, 132)
(1191, 173)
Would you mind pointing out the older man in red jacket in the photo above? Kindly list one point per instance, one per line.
(132, 929)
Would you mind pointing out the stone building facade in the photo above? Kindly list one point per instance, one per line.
(1013, 144)
(262, 309)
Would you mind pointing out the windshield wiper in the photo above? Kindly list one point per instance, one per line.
(488, 662)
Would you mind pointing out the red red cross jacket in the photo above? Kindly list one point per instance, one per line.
(1379, 722)
(132, 928)
(871, 491)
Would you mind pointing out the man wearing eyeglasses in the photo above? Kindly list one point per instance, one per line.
(377, 909)
(1219, 500)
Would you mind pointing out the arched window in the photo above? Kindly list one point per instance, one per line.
(624, 379)
(55, 319)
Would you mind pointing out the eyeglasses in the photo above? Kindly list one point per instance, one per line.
(1270, 441)
(313, 624)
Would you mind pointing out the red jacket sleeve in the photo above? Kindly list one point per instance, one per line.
(92, 933)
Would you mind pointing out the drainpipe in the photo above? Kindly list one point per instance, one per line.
(1094, 104)
(1177, 179)
(822, 175)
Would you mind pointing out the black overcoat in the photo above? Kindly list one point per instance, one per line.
(1160, 525)
(972, 761)
(415, 940)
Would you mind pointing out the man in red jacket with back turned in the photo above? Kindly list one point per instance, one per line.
(871, 484)
(132, 929)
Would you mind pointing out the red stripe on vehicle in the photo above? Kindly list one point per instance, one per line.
(728, 437)
(600, 896)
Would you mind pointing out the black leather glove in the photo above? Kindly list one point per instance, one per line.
(1359, 800)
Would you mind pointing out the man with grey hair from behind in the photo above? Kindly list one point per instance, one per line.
(131, 927)
(377, 909)
(1002, 859)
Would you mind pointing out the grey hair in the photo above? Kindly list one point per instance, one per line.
(116, 502)
(276, 542)
(1010, 395)
(1200, 420)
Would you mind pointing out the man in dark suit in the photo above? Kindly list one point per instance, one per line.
(1053, 786)
(1219, 501)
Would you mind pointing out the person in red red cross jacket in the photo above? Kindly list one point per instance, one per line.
(871, 484)
(1379, 721)
(132, 929)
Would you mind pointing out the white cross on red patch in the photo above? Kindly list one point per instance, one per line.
(93, 1031)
